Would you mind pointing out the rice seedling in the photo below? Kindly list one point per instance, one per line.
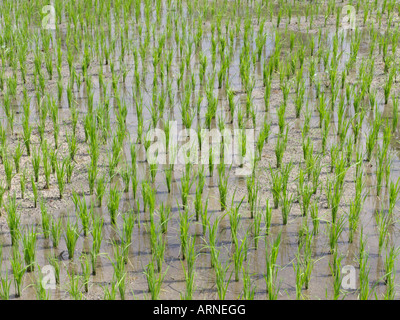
(336, 197)
(189, 271)
(60, 174)
(74, 287)
(119, 269)
(365, 290)
(256, 227)
(126, 177)
(55, 263)
(183, 230)
(388, 85)
(97, 226)
(205, 217)
(27, 132)
(86, 271)
(383, 222)
(159, 249)
(277, 183)
(198, 202)
(336, 268)
(308, 149)
(334, 230)
(29, 243)
(395, 117)
(13, 219)
(110, 294)
(34, 191)
(84, 215)
(165, 212)
(271, 268)
(390, 272)
(154, 282)
(53, 160)
(113, 203)
(238, 255)
(8, 169)
(248, 288)
(17, 157)
(212, 240)
(150, 196)
(46, 164)
(371, 140)
(18, 270)
(387, 169)
(252, 194)
(186, 184)
(353, 218)
(286, 206)
(281, 117)
(220, 278)
(56, 231)
(393, 195)
(307, 262)
(36, 163)
(71, 237)
(69, 168)
(92, 174)
(153, 171)
(100, 188)
(2, 192)
(299, 277)
(267, 217)
(306, 194)
(5, 286)
(234, 217)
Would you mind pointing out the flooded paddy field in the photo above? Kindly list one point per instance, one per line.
(199, 149)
